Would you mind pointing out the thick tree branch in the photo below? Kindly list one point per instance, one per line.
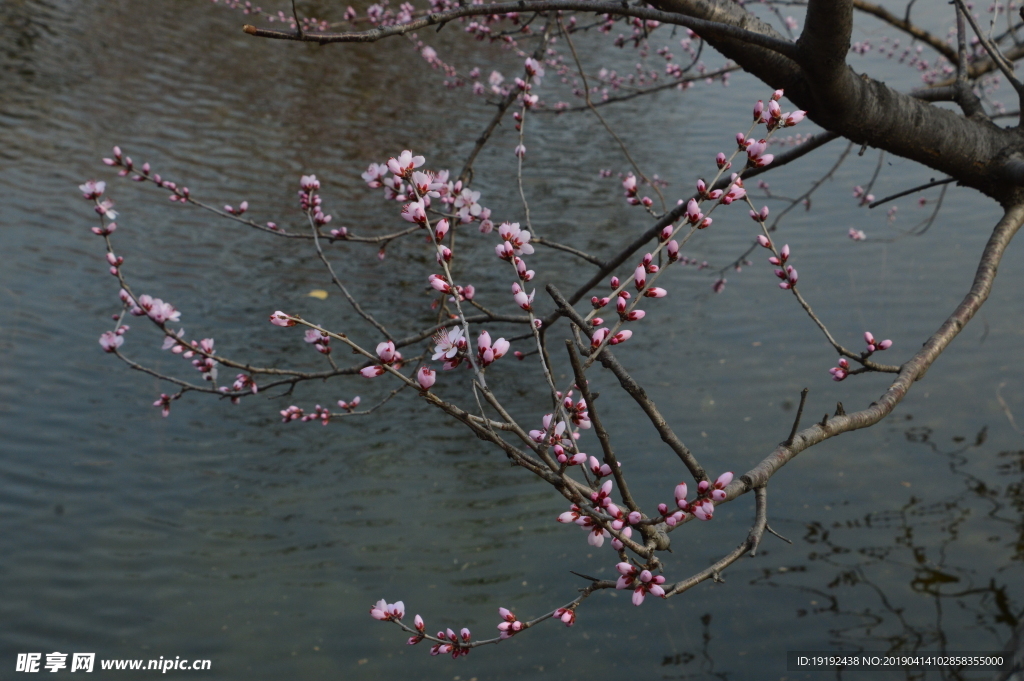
(702, 26)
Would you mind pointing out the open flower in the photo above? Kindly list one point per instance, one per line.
(382, 610)
(448, 343)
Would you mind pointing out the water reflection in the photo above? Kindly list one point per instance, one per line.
(221, 533)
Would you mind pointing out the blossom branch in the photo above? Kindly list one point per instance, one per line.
(634, 389)
(701, 26)
(714, 572)
(910, 371)
(337, 282)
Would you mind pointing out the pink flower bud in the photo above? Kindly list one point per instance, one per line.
(426, 377)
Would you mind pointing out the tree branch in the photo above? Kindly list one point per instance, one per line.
(701, 26)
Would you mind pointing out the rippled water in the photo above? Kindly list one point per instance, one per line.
(220, 533)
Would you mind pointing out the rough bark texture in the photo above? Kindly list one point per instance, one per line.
(866, 111)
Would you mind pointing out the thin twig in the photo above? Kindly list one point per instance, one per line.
(799, 415)
(912, 190)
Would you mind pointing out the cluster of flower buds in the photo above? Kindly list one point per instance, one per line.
(703, 507)
(165, 404)
(706, 194)
(509, 626)
(350, 406)
(736, 190)
(556, 434)
(515, 241)
(773, 116)
(309, 200)
(387, 612)
(842, 371)
(601, 334)
(156, 309)
(694, 216)
(110, 341)
(242, 207)
(121, 161)
(292, 413)
(632, 198)
(115, 262)
(388, 356)
(756, 156)
(864, 196)
(787, 273)
(874, 345)
(203, 363)
(641, 581)
(408, 184)
(243, 381)
(320, 340)
(567, 615)
(759, 216)
(646, 267)
(456, 644)
(488, 353)
(600, 470)
(576, 410)
(127, 166)
(421, 628)
(450, 345)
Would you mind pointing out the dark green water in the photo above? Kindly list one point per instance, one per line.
(221, 533)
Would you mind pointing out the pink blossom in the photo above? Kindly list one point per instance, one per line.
(534, 68)
(718, 493)
(405, 163)
(426, 377)
(110, 341)
(92, 189)
(448, 343)
(372, 371)
(373, 176)
(438, 282)
(281, 319)
(620, 337)
(840, 372)
(792, 119)
(350, 406)
(415, 212)
(161, 312)
(165, 404)
(566, 615)
(382, 610)
(440, 229)
(518, 238)
(387, 353)
(523, 300)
